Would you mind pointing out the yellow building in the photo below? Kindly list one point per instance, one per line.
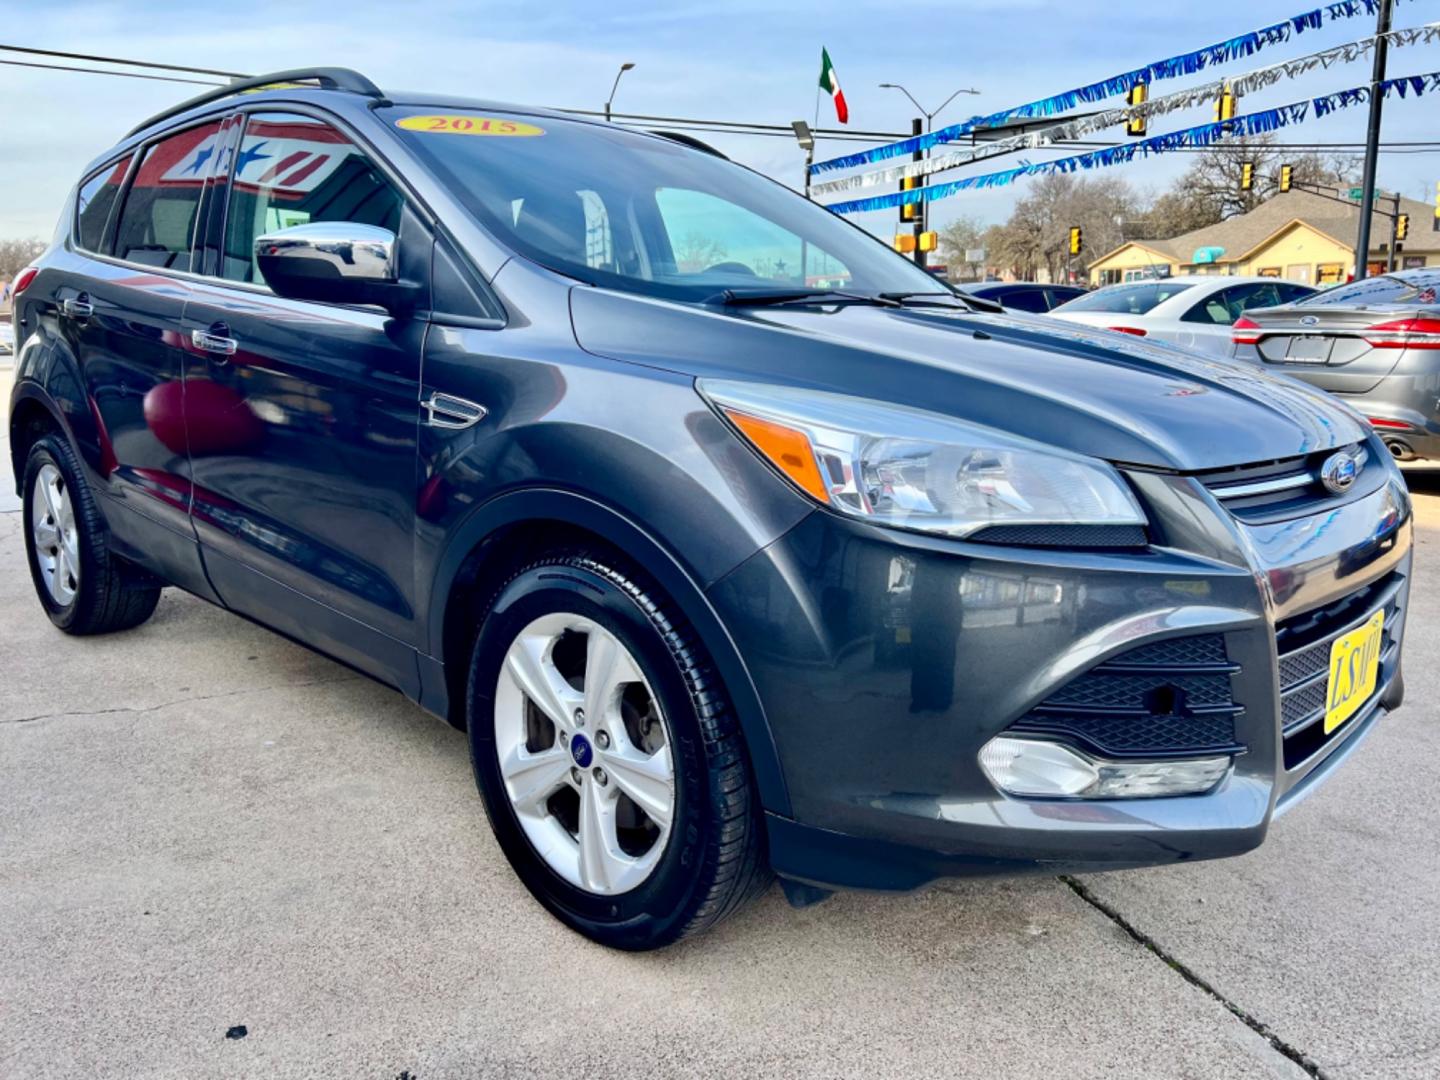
(1298, 235)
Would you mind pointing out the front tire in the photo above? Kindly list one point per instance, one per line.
(83, 587)
(610, 764)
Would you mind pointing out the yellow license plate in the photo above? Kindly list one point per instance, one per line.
(1354, 670)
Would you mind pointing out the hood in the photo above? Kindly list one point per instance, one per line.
(1128, 401)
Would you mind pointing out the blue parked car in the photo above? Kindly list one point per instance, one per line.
(566, 432)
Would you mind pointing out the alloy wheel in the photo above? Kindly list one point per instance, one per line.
(585, 753)
(57, 542)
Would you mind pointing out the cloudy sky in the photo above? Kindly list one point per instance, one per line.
(735, 59)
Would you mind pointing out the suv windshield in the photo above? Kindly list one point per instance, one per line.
(1382, 289)
(631, 211)
(1126, 299)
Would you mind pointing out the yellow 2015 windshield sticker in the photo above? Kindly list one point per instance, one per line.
(468, 125)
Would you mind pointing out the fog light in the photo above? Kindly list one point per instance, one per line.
(1039, 767)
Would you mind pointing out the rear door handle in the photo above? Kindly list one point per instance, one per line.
(447, 411)
(78, 307)
(214, 343)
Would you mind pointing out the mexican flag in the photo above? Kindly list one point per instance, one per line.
(831, 85)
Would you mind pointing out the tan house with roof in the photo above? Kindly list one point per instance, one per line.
(1298, 235)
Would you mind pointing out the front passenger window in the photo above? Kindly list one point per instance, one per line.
(292, 170)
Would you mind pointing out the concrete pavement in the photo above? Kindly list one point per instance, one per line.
(206, 827)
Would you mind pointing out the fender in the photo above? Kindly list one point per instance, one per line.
(47, 374)
(554, 505)
(29, 395)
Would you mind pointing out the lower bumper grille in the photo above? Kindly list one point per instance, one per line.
(1167, 699)
(1304, 643)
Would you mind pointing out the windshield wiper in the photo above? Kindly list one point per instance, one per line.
(771, 297)
(943, 299)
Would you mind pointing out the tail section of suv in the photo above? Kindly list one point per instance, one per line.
(726, 573)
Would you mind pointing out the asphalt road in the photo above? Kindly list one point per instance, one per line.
(204, 827)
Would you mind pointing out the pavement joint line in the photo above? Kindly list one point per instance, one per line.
(180, 701)
(1295, 1054)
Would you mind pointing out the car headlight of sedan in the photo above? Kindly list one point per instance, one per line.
(912, 469)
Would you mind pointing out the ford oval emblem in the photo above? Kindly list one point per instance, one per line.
(1339, 472)
(1309, 320)
(581, 751)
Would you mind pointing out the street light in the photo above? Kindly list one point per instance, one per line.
(626, 66)
(929, 115)
(806, 138)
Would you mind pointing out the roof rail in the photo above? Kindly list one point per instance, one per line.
(329, 78)
(688, 140)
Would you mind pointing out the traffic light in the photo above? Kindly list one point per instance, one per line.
(1077, 240)
(1136, 124)
(909, 211)
(1286, 174)
(929, 240)
(905, 243)
(1225, 106)
(1402, 226)
(1437, 199)
(1247, 175)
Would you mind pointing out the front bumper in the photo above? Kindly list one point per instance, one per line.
(886, 660)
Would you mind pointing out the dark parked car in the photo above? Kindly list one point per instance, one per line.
(537, 420)
(1375, 343)
(1023, 295)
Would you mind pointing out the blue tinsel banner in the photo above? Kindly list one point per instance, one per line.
(1185, 64)
(1256, 123)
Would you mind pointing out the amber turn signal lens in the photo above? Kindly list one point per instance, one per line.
(787, 449)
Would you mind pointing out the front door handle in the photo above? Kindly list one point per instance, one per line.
(78, 307)
(448, 411)
(218, 344)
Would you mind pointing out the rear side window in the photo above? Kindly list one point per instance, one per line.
(292, 170)
(157, 221)
(94, 202)
(1024, 300)
(1415, 287)
(1134, 299)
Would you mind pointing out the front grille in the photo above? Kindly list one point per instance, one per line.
(1303, 643)
(1287, 487)
(1069, 537)
(1166, 699)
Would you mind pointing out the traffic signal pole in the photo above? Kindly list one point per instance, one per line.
(1372, 144)
(917, 127)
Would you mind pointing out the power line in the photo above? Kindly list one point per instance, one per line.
(117, 60)
(101, 71)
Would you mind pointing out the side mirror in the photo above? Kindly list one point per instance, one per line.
(337, 262)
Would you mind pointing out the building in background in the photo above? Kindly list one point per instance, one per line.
(1300, 236)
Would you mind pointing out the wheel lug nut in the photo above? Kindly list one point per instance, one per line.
(602, 740)
(600, 777)
(579, 717)
(576, 774)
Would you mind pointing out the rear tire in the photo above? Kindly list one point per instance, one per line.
(83, 587)
(712, 858)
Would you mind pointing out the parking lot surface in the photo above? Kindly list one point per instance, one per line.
(223, 855)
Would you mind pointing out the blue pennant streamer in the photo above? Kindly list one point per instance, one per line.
(1185, 64)
(1256, 123)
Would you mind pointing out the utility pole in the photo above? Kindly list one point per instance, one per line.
(917, 127)
(1372, 143)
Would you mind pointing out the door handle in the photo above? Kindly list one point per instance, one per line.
(217, 344)
(78, 307)
(447, 411)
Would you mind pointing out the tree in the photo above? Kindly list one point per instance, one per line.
(1037, 235)
(961, 235)
(15, 255)
(1210, 192)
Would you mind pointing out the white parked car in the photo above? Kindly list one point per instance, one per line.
(7, 335)
(1193, 310)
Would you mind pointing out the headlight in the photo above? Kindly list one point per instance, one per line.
(904, 467)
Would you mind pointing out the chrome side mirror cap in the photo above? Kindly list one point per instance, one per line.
(337, 262)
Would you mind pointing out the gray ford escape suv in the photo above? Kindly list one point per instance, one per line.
(735, 546)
